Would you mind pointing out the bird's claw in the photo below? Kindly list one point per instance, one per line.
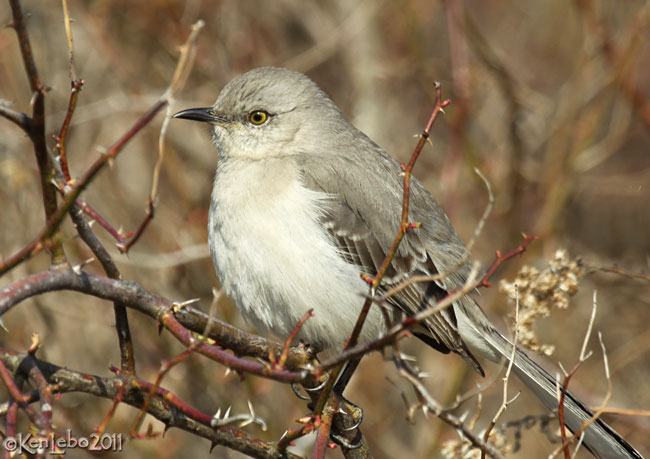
(354, 411)
(348, 412)
(343, 442)
(320, 386)
(295, 387)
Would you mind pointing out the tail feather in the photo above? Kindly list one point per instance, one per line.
(599, 438)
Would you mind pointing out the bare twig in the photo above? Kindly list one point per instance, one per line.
(182, 71)
(63, 133)
(39, 419)
(19, 119)
(290, 436)
(501, 258)
(127, 354)
(92, 213)
(447, 417)
(626, 412)
(44, 391)
(101, 428)
(584, 355)
(36, 131)
(622, 272)
(505, 402)
(74, 189)
(68, 35)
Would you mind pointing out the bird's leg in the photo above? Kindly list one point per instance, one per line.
(347, 407)
(345, 376)
(350, 415)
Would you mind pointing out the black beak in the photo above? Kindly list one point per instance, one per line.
(206, 115)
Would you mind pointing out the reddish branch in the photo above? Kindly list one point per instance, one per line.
(63, 133)
(12, 417)
(405, 225)
(74, 190)
(287, 342)
(164, 369)
(124, 246)
(37, 380)
(101, 428)
(124, 241)
(39, 419)
(290, 436)
(134, 296)
(503, 258)
(228, 336)
(560, 409)
(324, 429)
(165, 407)
(92, 213)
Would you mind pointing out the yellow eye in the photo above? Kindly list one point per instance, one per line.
(258, 117)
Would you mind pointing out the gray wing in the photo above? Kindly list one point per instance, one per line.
(363, 218)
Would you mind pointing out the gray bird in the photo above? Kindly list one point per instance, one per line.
(303, 203)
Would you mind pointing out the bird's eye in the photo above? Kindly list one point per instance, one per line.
(258, 117)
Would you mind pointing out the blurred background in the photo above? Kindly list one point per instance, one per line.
(549, 101)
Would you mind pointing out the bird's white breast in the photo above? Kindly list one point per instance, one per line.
(274, 258)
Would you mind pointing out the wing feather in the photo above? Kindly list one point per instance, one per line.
(363, 238)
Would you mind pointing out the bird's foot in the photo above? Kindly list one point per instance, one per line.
(346, 421)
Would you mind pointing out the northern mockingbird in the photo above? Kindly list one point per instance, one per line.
(303, 203)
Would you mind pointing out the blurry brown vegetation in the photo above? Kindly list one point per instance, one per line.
(549, 100)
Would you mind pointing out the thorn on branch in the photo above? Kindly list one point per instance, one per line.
(501, 258)
(279, 364)
(36, 343)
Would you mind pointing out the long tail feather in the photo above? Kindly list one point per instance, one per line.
(599, 437)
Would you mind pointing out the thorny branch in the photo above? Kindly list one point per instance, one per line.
(35, 129)
(447, 417)
(73, 191)
(133, 295)
(165, 406)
